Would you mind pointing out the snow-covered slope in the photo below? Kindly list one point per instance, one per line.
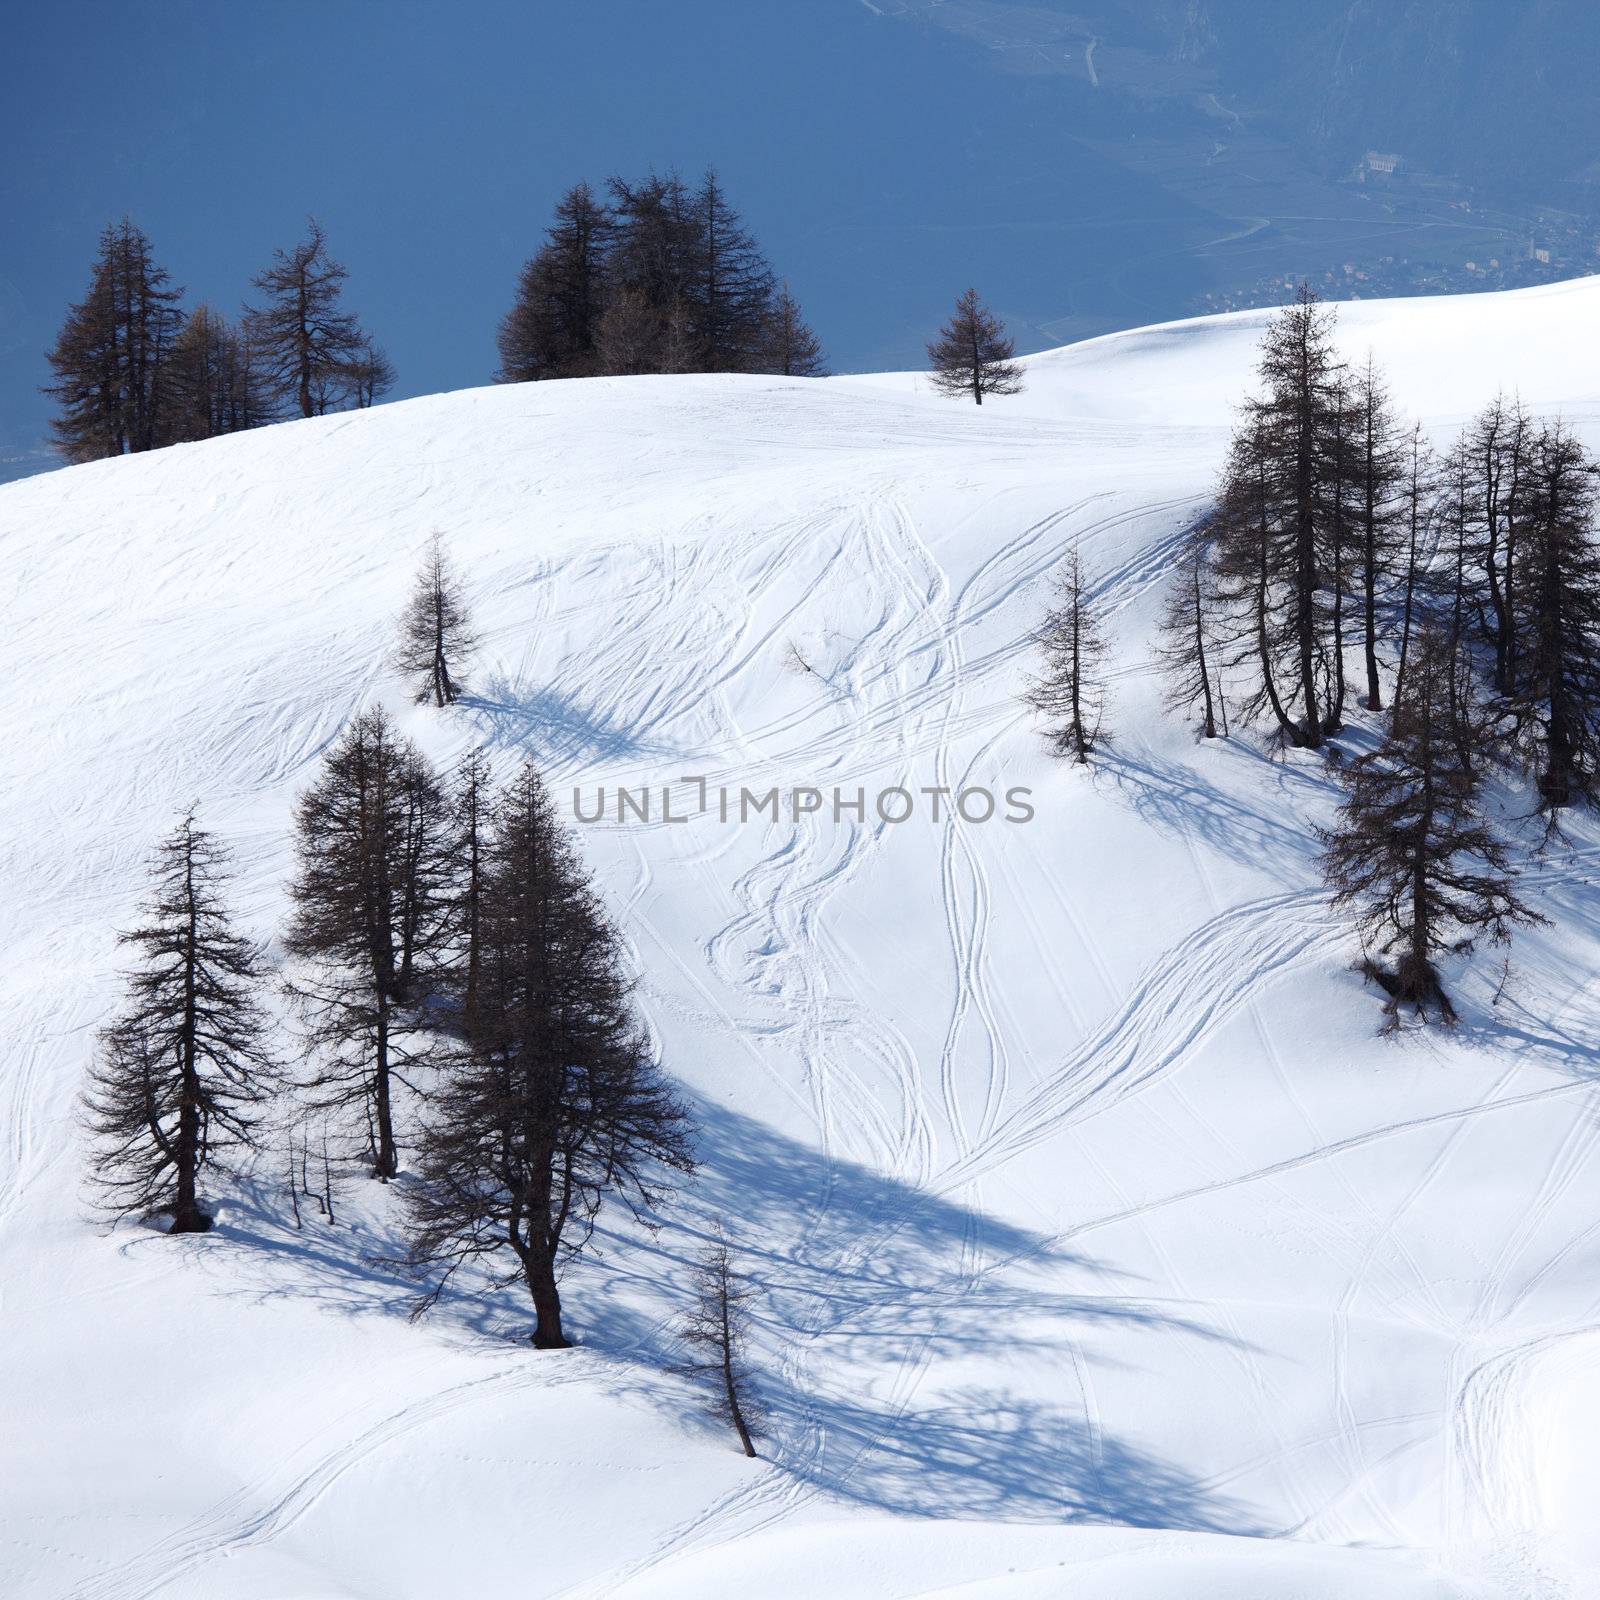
(1105, 1249)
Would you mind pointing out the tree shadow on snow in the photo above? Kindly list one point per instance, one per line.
(862, 1283)
(1178, 799)
(554, 728)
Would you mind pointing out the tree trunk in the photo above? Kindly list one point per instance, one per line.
(730, 1388)
(539, 1268)
(386, 1161)
(1200, 656)
(186, 1214)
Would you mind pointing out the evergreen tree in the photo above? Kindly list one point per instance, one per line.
(716, 1329)
(792, 348)
(553, 327)
(1410, 854)
(973, 355)
(111, 357)
(435, 630)
(1070, 691)
(1187, 650)
(1554, 694)
(372, 902)
(181, 1072)
(553, 1106)
(314, 356)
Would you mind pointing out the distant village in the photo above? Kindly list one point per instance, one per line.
(1499, 250)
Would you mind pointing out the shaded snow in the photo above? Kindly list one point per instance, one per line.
(1106, 1250)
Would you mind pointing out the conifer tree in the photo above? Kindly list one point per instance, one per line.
(716, 1328)
(111, 357)
(1283, 523)
(553, 327)
(1417, 494)
(1411, 855)
(367, 377)
(472, 798)
(181, 1073)
(973, 355)
(553, 1106)
(370, 924)
(1069, 693)
(1380, 475)
(654, 243)
(314, 356)
(728, 294)
(1554, 694)
(213, 383)
(436, 638)
(1491, 472)
(792, 349)
(659, 277)
(1187, 649)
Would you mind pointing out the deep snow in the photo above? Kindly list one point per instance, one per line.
(1106, 1249)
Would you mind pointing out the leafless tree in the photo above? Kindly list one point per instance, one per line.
(435, 630)
(553, 1105)
(112, 355)
(716, 1330)
(372, 899)
(1069, 692)
(1186, 650)
(314, 356)
(973, 354)
(792, 348)
(181, 1073)
(1410, 853)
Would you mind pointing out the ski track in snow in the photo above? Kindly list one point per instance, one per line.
(652, 652)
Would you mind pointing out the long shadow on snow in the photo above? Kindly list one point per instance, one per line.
(554, 728)
(1178, 799)
(859, 1276)
(874, 1279)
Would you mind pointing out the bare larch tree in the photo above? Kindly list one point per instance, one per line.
(973, 354)
(112, 355)
(1069, 692)
(1186, 650)
(435, 630)
(1553, 663)
(792, 348)
(182, 1070)
(472, 798)
(371, 902)
(716, 1329)
(1410, 853)
(313, 355)
(553, 1105)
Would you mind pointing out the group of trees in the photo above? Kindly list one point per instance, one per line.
(462, 1000)
(650, 277)
(134, 372)
(653, 276)
(1466, 591)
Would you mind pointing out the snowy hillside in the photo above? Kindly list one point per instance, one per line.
(1105, 1250)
